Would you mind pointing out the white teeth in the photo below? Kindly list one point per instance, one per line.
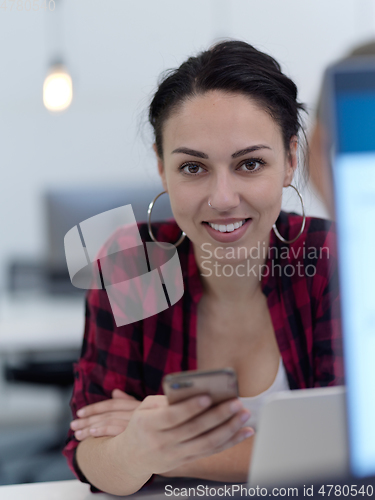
(227, 229)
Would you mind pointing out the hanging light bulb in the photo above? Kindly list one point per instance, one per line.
(57, 88)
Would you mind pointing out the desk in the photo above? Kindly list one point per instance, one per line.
(75, 490)
(56, 490)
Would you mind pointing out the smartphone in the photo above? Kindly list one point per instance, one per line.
(221, 385)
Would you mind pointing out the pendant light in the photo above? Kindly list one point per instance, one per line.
(57, 86)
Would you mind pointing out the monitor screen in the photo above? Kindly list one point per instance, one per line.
(354, 184)
(355, 111)
(67, 207)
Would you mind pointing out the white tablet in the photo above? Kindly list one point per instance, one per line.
(301, 438)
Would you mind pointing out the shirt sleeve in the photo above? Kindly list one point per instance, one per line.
(111, 358)
(327, 333)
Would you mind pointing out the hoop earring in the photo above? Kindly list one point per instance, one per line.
(149, 211)
(303, 222)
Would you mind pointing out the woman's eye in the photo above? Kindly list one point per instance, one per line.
(191, 168)
(253, 165)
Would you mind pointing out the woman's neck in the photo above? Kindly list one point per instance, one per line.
(232, 280)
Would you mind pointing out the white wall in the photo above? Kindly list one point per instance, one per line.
(115, 52)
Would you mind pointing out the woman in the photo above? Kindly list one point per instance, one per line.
(261, 291)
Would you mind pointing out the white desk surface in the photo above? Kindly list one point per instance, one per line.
(56, 490)
(68, 490)
(34, 322)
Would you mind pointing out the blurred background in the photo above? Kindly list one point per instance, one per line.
(93, 153)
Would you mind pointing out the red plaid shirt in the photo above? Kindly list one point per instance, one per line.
(304, 307)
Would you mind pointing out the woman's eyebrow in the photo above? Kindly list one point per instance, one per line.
(199, 154)
(250, 149)
(190, 152)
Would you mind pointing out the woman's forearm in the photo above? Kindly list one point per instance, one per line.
(104, 465)
(231, 465)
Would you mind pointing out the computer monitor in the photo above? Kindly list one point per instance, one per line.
(67, 207)
(351, 90)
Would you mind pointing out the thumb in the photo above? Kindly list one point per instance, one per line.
(151, 402)
(119, 394)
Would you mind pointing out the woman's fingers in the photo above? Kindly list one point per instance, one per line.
(170, 416)
(82, 423)
(104, 427)
(117, 411)
(114, 404)
(241, 435)
(161, 436)
(110, 429)
(212, 418)
(218, 438)
(183, 416)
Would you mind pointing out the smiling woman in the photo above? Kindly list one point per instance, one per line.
(227, 131)
(228, 183)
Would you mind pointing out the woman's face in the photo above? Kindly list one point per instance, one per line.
(224, 149)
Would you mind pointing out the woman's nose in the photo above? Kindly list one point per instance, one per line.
(224, 193)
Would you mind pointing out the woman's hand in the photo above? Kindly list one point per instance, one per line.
(160, 437)
(106, 418)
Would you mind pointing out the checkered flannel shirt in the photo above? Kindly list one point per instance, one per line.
(304, 308)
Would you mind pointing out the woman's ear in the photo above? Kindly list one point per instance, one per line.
(291, 161)
(160, 167)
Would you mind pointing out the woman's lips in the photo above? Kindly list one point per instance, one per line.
(227, 237)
